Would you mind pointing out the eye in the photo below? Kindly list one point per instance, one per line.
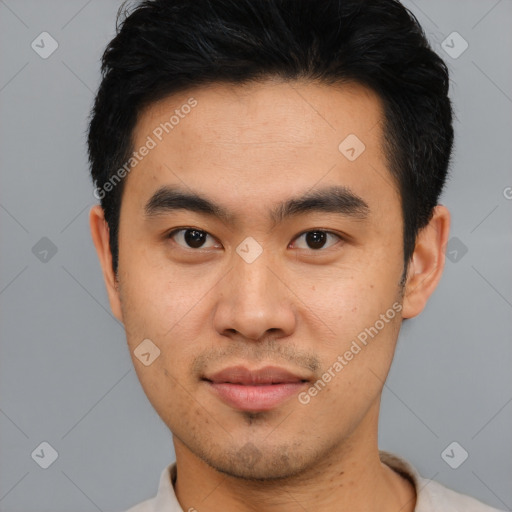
(191, 238)
(317, 239)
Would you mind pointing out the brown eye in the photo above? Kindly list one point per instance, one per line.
(317, 239)
(192, 238)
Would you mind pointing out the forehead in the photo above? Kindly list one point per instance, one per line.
(256, 112)
(273, 137)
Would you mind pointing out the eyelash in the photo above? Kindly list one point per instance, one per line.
(315, 230)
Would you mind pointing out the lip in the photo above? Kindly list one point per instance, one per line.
(255, 390)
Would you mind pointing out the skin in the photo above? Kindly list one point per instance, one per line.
(249, 148)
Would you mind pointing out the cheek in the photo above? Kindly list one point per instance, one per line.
(351, 299)
(353, 373)
(360, 315)
(162, 302)
(170, 309)
(164, 390)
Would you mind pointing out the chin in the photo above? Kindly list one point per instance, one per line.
(257, 464)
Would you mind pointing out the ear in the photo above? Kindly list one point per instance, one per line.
(427, 262)
(101, 237)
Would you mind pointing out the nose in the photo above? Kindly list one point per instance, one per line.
(254, 302)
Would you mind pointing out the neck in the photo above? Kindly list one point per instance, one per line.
(350, 477)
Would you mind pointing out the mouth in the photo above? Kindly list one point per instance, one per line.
(255, 390)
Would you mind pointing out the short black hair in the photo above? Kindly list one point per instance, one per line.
(168, 46)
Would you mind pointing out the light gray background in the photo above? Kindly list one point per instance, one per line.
(66, 375)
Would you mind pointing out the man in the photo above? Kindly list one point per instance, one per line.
(269, 174)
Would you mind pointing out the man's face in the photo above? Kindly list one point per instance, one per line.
(192, 283)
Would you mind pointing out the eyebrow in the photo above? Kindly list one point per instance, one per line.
(334, 199)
